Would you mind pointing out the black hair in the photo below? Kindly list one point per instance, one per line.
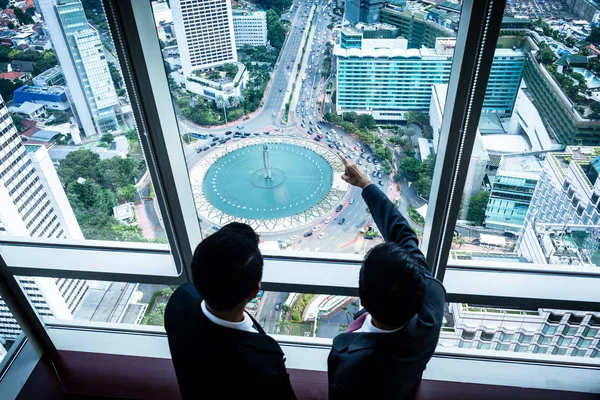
(227, 266)
(391, 284)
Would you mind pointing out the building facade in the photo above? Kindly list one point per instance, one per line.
(81, 55)
(385, 78)
(367, 11)
(50, 77)
(584, 9)
(34, 204)
(512, 190)
(250, 27)
(204, 31)
(414, 27)
(53, 98)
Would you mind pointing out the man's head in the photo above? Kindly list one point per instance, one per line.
(391, 284)
(227, 266)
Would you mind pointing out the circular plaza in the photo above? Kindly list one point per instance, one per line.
(273, 184)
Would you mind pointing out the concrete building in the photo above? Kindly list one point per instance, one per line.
(585, 9)
(81, 56)
(204, 31)
(30, 110)
(250, 27)
(367, 11)
(34, 204)
(512, 190)
(541, 331)
(53, 98)
(384, 78)
(50, 77)
(414, 26)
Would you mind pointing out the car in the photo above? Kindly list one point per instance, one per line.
(266, 133)
(260, 294)
(205, 148)
(317, 139)
(339, 208)
(375, 161)
(374, 174)
(359, 162)
(330, 145)
(256, 134)
(321, 235)
(363, 150)
(351, 201)
(212, 135)
(215, 227)
(277, 306)
(379, 174)
(328, 220)
(294, 237)
(246, 134)
(198, 149)
(380, 183)
(307, 234)
(199, 136)
(377, 168)
(368, 159)
(320, 136)
(228, 133)
(341, 221)
(317, 227)
(240, 126)
(215, 139)
(510, 235)
(213, 144)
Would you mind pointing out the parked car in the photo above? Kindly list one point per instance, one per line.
(212, 135)
(341, 221)
(339, 208)
(294, 237)
(205, 148)
(317, 227)
(277, 306)
(321, 235)
(228, 133)
(327, 220)
(351, 201)
(380, 183)
(307, 234)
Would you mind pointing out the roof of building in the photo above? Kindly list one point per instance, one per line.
(52, 71)
(44, 135)
(506, 143)
(490, 124)
(27, 108)
(123, 211)
(32, 148)
(26, 66)
(528, 167)
(12, 75)
(572, 59)
(495, 160)
(425, 148)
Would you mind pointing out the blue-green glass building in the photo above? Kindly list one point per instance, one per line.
(385, 78)
(512, 192)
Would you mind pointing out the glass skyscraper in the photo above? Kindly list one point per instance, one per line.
(83, 61)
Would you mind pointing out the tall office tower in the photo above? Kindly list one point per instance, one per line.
(367, 11)
(385, 78)
(204, 30)
(565, 205)
(512, 191)
(33, 203)
(250, 27)
(83, 61)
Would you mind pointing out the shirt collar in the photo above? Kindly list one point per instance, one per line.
(245, 325)
(368, 327)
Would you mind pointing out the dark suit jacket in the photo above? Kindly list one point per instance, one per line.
(386, 366)
(214, 362)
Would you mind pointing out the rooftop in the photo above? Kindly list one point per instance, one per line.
(52, 71)
(568, 244)
(32, 148)
(27, 108)
(527, 167)
(57, 90)
(506, 143)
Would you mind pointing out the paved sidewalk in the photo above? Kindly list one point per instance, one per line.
(144, 222)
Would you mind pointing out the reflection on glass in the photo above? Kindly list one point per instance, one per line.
(10, 332)
(557, 332)
(97, 301)
(71, 165)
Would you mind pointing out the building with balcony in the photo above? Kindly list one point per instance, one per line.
(512, 189)
(384, 78)
(81, 56)
(34, 204)
(250, 27)
(205, 34)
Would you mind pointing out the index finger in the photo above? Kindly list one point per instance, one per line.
(346, 163)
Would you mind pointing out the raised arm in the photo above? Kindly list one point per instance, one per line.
(392, 225)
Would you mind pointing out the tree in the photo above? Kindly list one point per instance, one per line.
(283, 326)
(411, 168)
(49, 60)
(126, 193)
(594, 36)
(10, 25)
(223, 103)
(3, 4)
(89, 200)
(477, 206)
(155, 318)
(423, 185)
(116, 76)
(350, 116)
(275, 30)
(8, 87)
(230, 70)
(81, 164)
(458, 240)
(107, 138)
(547, 56)
(24, 18)
(366, 121)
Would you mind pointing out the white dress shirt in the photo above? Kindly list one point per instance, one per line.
(245, 325)
(368, 327)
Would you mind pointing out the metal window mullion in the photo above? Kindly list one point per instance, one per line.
(472, 62)
(23, 312)
(137, 46)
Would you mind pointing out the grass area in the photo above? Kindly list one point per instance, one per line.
(298, 328)
(415, 216)
(300, 305)
(151, 194)
(188, 139)
(150, 307)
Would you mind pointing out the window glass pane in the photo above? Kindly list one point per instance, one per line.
(71, 164)
(10, 332)
(97, 301)
(322, 103)
(523, 331)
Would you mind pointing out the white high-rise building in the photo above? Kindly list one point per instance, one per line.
(204, 30)
(250, 27)
(33, 203)
(81, 56)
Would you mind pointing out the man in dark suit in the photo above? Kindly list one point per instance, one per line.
(383, 353)
(219, 351)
